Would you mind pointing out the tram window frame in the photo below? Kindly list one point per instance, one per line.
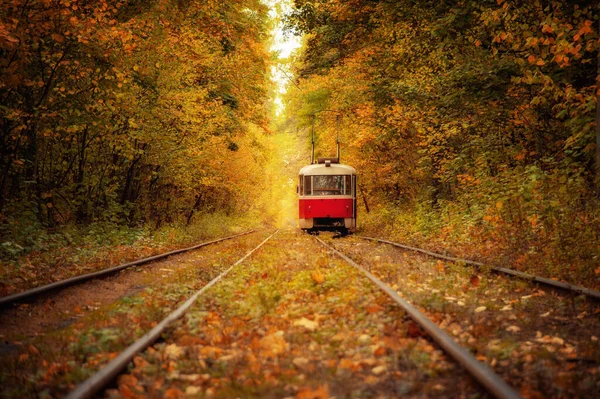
(346, 188)
(301, 185)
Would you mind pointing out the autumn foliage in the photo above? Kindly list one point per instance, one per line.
(130, 111)
(470, 122)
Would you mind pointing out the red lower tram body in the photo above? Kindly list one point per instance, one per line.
(327, 197)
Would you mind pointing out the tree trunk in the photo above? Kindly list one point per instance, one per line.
(196, 205)
(598, 115)
(364, 197)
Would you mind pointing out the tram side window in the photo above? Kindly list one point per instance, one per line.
(347, 184)
(301, 185)
(307, 185)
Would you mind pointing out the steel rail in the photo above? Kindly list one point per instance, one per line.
(525, 276)
(10, 299)
(493, 383)
(96, 382)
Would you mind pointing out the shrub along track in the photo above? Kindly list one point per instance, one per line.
(63, 302)
(501, 270)
(37, 292)
(545, 342)
(295, 322)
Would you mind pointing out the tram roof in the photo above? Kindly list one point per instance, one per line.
(321, 169)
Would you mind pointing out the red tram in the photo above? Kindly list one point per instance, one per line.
(327, 196)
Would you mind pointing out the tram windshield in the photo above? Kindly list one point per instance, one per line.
(328, 185)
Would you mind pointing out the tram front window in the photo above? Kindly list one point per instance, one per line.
(329, 185)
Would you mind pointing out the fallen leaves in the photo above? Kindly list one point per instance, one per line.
(375, 308)
(306, 323)
(301, 362)
(129, 387)
(173, 351)
(274, 344)
(513, 329)
(321, 392)
(317, 276)
(440, 267)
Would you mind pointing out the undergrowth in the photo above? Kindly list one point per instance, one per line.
(513, 234)
(34, 256)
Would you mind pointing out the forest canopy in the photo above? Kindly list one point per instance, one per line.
(130, 111)
(469, 121)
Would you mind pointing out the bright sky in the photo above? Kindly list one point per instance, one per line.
(285, 46)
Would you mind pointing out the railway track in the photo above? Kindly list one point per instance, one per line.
(491, 382)
(105, 375)
(501, 270)
(33, 293)
(270, 314)
(509, 323)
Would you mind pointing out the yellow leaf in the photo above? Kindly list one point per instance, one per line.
(306, 323)
(173, 351)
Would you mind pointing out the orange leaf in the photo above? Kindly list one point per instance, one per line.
(127, 379)
(58, 38)
(317, 276)
(126, 392)
(321, 392)
(173, 393)
(379, 351)
(475, 280)
(34, 350)
(374, 308)
(440, 266)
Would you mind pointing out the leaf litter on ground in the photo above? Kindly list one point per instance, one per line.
(291, 335)
(540, 341)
